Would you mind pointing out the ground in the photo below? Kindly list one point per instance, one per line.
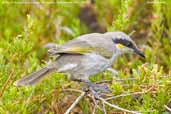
(27, 27)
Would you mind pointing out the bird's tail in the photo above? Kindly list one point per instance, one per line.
(34, 77)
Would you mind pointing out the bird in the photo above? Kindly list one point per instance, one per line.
(84, 56)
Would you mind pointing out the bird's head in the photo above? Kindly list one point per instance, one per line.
(124, 44)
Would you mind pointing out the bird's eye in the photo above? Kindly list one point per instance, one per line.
(124, 42)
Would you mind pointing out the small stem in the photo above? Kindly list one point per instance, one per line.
(117, 107)
(73, 90)
(130, 34)
(75, 103)
(94, 109)
(168, 108)
(124, 95)
(7, 82)
(104, 109)
(104, 81)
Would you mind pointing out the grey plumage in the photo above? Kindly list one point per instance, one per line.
(84, 56)
(96, 42)
(34, 77)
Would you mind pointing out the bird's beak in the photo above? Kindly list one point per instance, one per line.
(139, 52)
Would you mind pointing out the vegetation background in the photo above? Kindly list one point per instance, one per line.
(27, 27)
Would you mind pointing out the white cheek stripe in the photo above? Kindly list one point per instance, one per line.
(67, 67)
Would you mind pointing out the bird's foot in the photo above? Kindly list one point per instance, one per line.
(96, 89)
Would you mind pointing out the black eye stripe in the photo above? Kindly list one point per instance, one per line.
(125, 42)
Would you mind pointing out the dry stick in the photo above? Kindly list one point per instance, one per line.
(95, 103)
(93, 99)
(124, 95)
(130, 34)
(168, 108)
(6, 84)
(94, 109)
(104, 109)
(109, 81)
(104, 81)
(114, 106)
(126, 79)
(79, 91)
(73, 90)
(117, 107)
(103, 102)
(75, 103)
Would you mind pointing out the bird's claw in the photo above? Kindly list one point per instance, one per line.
(96, 89)
(101, 88)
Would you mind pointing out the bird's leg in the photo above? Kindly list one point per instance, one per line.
(96, 89)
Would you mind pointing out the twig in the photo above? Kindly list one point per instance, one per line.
(6, 84)
(104, 109)
(126, 79)
(25, 105)
(104, 81)
(73, 90)
(109, 81)
(117, 107)
(130, 34)
(94, 109)
(168, 108)
(102, 100)
(124, 95)
(75, 103)
(95, 103)
(103, 103)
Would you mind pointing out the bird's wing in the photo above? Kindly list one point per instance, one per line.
(83, 45)
(76, 47)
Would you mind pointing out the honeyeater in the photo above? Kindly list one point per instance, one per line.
(84, 56)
